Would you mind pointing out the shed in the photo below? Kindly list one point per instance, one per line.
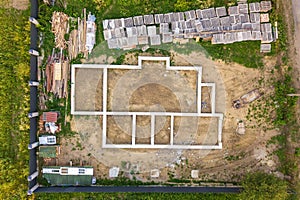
(47, 140)
(221, 11)
(148, 19)
(63, 176)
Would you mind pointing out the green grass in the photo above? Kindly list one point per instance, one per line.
(133, 196)
(245, 53)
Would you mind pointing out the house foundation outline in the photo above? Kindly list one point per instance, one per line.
(104, 113)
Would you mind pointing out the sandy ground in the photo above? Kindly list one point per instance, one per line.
(239, 154)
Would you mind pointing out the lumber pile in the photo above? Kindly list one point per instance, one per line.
(59, 28)
(57, 74)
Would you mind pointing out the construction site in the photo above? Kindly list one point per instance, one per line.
(156, 117)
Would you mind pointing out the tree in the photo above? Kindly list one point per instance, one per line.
(263, 186)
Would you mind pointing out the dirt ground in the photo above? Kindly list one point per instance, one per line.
(17, 4)
(240, 153)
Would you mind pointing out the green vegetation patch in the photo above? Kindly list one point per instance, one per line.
(245, 53)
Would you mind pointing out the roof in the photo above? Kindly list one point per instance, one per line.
(47, 139)
(47, 151)
(50, 116)
(57, 179)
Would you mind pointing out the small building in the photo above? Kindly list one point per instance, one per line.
(64, 176)
(47, 140)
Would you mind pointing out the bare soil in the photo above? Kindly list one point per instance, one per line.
(240, 154)
(146, 97)
(119, 129)
(162, 130)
